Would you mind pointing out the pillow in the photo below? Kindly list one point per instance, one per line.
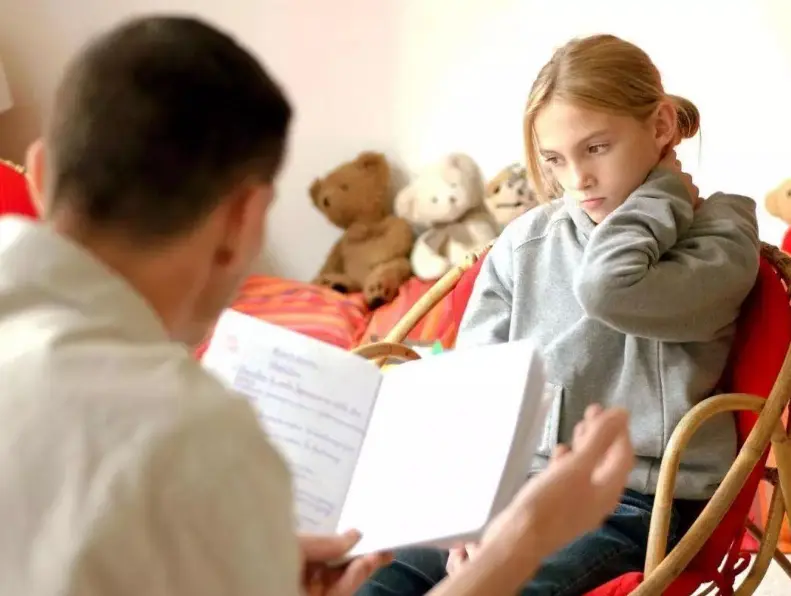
(312, 310)
(386, 316)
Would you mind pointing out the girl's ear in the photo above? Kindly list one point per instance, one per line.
(666, 126)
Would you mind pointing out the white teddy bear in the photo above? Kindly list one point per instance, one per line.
(447, 198)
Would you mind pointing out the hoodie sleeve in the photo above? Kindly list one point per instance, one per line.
(487, 318)
(655, 268)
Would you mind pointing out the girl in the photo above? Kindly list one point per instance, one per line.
(630, 283)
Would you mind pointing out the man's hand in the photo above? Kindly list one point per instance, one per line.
(578, 490)
(458, 555)
(319, 579)
(671, 161)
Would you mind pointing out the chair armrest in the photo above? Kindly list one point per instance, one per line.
(382, 350)
(437, 292)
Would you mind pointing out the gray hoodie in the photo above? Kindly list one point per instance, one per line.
(637, 312)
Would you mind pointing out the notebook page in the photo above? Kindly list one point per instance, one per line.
(313, 399)
(438, 442)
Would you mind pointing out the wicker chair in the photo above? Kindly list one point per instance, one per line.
(717, 534)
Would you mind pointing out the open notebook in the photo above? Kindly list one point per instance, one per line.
(422, 454)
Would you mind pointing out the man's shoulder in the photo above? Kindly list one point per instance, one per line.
(135, 448)
(210, 475)
(165, 383)
(147, 390)
(66, 369)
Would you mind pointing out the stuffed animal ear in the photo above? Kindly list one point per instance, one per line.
(314, 191)
(493, 187)
(770, 202)
(774, 200)
(370, 160)
(405, 203)
(517, 170)
(464, 163)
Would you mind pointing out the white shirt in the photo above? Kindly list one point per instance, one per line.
(125, 468)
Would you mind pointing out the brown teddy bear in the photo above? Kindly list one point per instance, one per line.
(372, 255)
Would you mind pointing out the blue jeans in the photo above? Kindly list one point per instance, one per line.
(594, 559)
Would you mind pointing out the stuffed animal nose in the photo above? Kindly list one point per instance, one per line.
(326, 201)
(452, 199)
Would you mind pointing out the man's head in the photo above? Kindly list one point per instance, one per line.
(165, 139)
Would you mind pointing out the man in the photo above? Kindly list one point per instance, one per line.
(126, 468)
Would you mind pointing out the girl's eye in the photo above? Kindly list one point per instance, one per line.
(598, 148)
(552, 159)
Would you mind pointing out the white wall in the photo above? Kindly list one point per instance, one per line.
(417, 78)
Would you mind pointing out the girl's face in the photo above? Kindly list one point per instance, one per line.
(598, 158)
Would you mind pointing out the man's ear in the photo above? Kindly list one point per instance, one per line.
(244, 219)
(35, 171)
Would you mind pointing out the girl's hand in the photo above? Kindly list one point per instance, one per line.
(670, 161)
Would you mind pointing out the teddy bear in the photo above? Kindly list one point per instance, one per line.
(446, 201)
(509, 195)
(372, 254)
(778, 204)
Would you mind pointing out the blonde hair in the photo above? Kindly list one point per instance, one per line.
(600, 72)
